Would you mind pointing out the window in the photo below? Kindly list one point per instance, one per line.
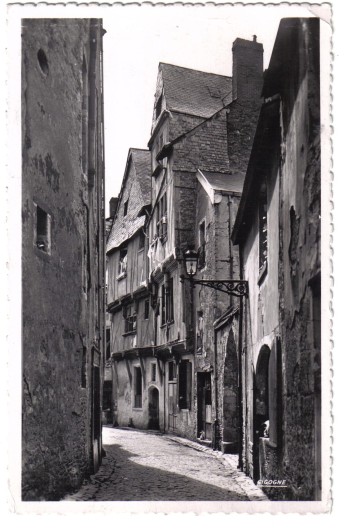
(146, 309)
(108, 343)
(199, 331)
(162, 217)
(172, 370)
(167, 309)
(126, 203)
(185, 384)
(43, 62)
(137, 387)
(153, 372)
(141, 240)
(263, 247)
(123, 259)
(202, 242)
(129, 314)
(42, 237)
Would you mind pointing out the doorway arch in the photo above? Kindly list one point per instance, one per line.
(153, 408)
(261, 404)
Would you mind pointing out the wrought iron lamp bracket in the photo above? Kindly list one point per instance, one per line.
(238, 288)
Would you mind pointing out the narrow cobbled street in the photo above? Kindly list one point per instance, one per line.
(149, 466)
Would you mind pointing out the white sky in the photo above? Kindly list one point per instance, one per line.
(138, 38)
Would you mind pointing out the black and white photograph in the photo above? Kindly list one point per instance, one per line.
(172, 171)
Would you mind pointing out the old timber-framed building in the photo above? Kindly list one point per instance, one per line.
(62, 254)
(202, 131)
(128, 300)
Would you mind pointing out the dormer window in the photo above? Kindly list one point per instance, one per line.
(158, 106)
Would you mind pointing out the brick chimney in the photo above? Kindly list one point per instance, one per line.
(247, 69)
(113, 206)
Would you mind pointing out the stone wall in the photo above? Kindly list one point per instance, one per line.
(299, 275)
(61, 299)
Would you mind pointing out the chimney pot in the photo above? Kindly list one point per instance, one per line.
(254, 38)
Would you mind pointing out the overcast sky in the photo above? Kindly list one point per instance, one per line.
(138, 38)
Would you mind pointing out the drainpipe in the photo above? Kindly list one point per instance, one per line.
(216, 423)
(240, 390)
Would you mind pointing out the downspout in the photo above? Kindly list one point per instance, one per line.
(216, 424)
(240, 390)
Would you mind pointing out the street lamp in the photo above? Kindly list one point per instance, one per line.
(238, 288)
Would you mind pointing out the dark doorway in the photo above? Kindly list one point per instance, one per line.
(96, 418)
(204, 406)
(172, 393)
(261, 405)
(153, 408)
(231, 413)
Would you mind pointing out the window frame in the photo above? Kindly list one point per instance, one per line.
(46, 235)
(122, 263)
(167, 303)
(130, 319)
(185, 384)
(202, 245)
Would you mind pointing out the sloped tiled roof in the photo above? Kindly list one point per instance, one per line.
(229, 182)
(195, 92)
(124, 228)
(142, 162)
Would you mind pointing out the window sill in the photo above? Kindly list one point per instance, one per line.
(267, 442)
(137, 408)
(132, 333)
(262, 273)
(168, 323)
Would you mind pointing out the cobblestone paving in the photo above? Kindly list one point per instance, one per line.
(149, 466)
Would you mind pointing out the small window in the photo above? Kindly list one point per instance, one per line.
(199, 331)
(43, 62)
(202, 244)
(130, 319)
(108, 343)
(167, 308)
(172, 370)
(126, 203)
(153, 372)
(185, 384)
(43, 230)
(137, 387)
(146, 309)
(142, 240)
(161, 216)
(123, 260)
